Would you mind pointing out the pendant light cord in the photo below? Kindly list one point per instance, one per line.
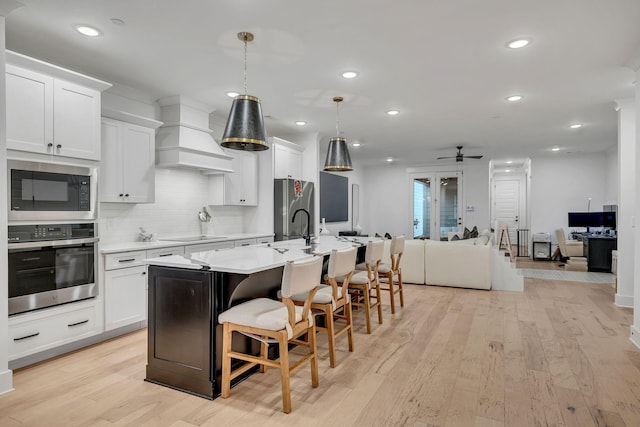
(337, 119)
(245, 66)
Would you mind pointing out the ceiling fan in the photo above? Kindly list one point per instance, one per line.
(459, 156)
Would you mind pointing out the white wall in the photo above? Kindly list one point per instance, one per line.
(564, 184)
(386, 199)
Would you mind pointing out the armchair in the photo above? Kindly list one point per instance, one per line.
(571, 252)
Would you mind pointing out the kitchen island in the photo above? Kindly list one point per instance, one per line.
(188, 292)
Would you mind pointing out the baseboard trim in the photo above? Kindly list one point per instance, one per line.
(6, 381)
(72, 346)
(635, 336)
(624, 301)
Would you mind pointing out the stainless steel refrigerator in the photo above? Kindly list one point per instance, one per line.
(289, 196)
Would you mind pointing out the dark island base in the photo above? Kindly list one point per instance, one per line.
(184, 337)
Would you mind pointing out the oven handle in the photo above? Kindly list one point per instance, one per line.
(52, 243)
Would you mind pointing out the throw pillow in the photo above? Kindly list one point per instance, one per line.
(454, 238)
(466, 234)
(474, 232)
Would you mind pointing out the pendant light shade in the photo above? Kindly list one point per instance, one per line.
(338, 158)
(245, 125)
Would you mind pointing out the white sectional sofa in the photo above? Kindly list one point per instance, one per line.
(461, 263)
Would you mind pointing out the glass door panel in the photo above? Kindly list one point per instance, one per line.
(422, 208)
(449, 212)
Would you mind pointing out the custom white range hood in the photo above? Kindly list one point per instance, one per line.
(185, 140)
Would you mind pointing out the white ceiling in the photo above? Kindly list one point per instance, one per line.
(443, 64)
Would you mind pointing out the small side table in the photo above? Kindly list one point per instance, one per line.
(541, 246)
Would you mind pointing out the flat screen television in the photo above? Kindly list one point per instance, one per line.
(334, 197)
(592, 219)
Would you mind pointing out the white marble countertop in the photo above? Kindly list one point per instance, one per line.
(158, 244)
(252, 259)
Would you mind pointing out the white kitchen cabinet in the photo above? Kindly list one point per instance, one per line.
(238, 188)
(128, 163)
(125, 296)
(201, 247)
(51, 116)
(287, 159)
(41, 330)
(244, 242)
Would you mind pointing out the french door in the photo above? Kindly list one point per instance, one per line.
(437, 204)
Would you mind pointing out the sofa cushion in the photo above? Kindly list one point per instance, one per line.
(412, 261)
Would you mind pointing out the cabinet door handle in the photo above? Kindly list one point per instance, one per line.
(144, 273)
(127, 260)
(59, 146)
(82, 322)
(120, 195)
(245, 244)
(27, 336)
(126, 195)
(161, 255)
(50, 144)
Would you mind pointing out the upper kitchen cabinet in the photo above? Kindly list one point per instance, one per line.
(51, 110)
(237, 188)
(128, 159)
(287, 159)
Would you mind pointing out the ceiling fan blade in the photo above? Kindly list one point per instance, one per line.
(451, 157)
(473, 157)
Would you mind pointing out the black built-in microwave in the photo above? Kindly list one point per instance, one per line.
(48, 191)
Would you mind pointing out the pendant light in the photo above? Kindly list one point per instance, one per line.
(245, 126)
(338, 158)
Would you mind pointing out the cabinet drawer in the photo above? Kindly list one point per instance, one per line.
(207, 247)
(124, 259)
(155, 253)
(45, 332)
(244, 242)
(262, 240)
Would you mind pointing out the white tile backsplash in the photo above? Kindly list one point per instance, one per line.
(180, 195)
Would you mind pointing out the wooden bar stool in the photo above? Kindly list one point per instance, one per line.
(275, 322)
(332, 300)
(388, 272)
(365, 285)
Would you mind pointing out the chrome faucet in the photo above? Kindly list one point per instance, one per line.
(307, 237)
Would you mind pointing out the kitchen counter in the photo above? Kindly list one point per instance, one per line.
(188, 292)
(189, 240)
(256, 258)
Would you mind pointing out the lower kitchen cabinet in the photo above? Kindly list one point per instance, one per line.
(125, 296)
(41, 330)
(125, 285)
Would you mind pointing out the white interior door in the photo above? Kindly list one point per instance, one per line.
(508, 204)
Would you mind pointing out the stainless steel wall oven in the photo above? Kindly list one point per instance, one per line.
(51, 264)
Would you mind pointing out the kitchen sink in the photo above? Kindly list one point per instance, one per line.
(193, 238)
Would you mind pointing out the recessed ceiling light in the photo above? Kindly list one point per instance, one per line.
(509, 162)
(356, 144)
(507, 170)
(117, 21)
(88, 31)
(518, 43)
(389, 159)
(576, 126)
(301, 123)
(555, 149)
(349, 74)
(393, 112)
(514, 98)
(232, 94)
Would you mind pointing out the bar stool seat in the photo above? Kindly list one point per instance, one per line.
(332, 301)
(274, 322)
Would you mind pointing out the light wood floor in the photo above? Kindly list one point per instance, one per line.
(556, 354)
